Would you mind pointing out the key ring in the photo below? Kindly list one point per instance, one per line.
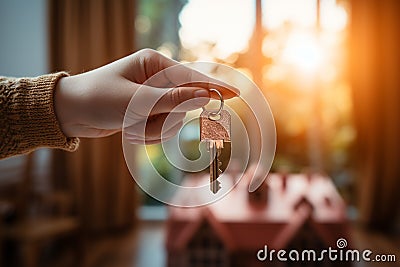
(221, 106)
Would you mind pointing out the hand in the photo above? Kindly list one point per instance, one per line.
(93, 104)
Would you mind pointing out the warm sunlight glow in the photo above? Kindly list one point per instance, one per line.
(334, 17)
(303, 14)
(304, 52)
(300, 13)
(225, 26)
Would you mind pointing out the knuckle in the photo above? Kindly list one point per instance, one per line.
(147, 52)
(150, 55)
(175, 97)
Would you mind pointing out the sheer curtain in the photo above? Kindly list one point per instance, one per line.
(85, 35)
(375, 68)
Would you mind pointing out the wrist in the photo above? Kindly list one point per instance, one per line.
(63, 106)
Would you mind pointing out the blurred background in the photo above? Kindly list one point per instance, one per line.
(328, 68)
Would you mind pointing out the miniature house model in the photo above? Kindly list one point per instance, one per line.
(293, 211)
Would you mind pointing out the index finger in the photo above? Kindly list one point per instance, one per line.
(181, 75)
(226, 90)
(170, 73)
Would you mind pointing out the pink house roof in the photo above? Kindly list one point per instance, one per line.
(240, 226)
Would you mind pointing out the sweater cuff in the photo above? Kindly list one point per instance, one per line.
(33, 116)
(43, 126)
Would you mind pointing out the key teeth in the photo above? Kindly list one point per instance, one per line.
(218, 186)
(215, 186)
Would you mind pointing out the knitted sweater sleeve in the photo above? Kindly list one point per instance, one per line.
(27, 117)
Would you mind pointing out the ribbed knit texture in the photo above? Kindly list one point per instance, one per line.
(27, 117)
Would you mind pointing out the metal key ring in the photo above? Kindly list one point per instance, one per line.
(221, 106)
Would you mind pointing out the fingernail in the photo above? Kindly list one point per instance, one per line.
(201, 97)
(201, 93)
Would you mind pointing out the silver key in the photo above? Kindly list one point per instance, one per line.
(215, 129)
(215, 147)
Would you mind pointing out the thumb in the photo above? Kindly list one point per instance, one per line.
(179, 99)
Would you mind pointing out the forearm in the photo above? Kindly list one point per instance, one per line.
(27, 116)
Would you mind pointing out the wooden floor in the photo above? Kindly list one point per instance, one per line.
(144, 247)
(377, 243)
(141, 247)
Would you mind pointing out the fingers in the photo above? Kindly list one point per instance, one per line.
(181, 99)
(164, 124)
(156, 126)
(174, 74)
(181, 75)
(164, 137)
(226, 90)
(148, 101)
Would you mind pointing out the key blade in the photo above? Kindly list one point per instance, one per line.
(215, 186)
(214, 150)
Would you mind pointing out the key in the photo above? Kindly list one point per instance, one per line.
(215, 129)
(215, 147)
